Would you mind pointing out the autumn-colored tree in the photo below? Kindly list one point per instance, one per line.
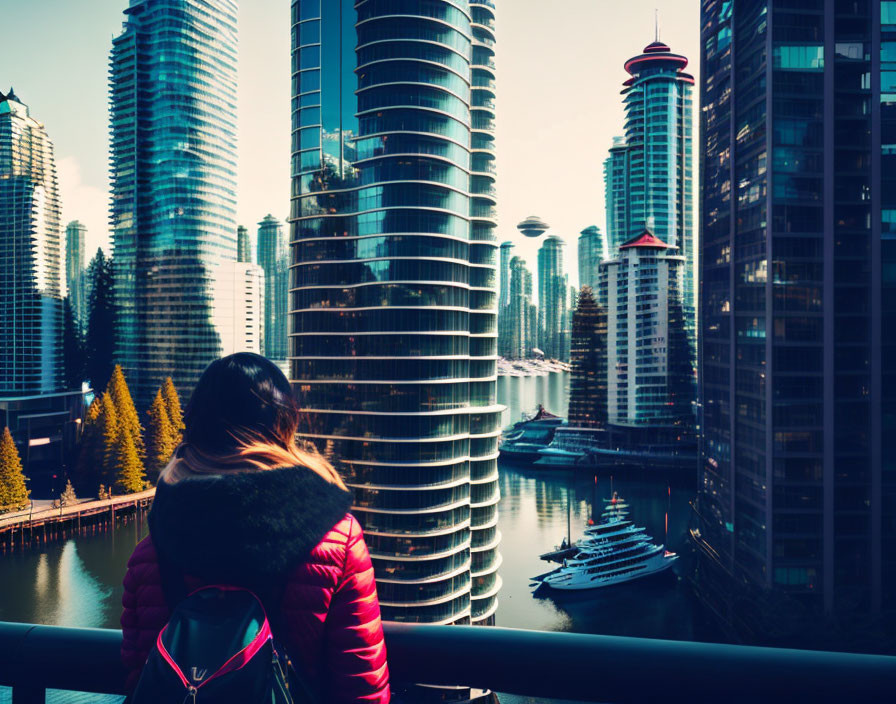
(162, 437)
(172, 403)
(13, 492)
(129, 421)
(130, 476)
(109, 429)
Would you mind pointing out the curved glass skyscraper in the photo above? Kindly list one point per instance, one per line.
(30, 255)
(173, 77)
(392, 287)
(485, 418)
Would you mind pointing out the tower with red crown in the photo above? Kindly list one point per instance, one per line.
(650, 172)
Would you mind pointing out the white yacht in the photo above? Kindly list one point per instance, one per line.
(612, 551)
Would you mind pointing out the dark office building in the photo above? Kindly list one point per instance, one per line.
(393, 296)
(588, 358)
(797, 503)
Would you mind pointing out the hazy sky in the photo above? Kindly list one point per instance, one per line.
(559, 76)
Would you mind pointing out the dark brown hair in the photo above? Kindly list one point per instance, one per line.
(242, 416)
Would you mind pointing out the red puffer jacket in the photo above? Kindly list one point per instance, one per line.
(256, 529)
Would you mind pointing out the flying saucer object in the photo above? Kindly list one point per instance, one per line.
(533, 226)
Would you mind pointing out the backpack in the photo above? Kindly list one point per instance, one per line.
(218, 647)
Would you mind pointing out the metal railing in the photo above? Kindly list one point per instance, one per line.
(538, 664)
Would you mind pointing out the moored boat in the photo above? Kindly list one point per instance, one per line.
(612, 551)
(522, 442)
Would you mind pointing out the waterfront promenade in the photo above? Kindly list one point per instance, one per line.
(42, 514)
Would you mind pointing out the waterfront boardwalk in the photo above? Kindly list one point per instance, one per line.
(43, 515)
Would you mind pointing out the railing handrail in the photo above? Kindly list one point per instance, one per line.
(534, 663)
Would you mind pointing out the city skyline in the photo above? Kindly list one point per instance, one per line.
(589, 52)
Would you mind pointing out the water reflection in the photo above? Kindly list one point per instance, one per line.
(533, 519)
(72, 582)
(522, 394)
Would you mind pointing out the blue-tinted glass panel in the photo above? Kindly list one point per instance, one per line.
(309, 81)
(309, 57)
(309, 138)
(309, 32)
(309, 9)
(310, 116)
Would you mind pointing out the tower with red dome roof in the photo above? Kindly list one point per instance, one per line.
(657, 186)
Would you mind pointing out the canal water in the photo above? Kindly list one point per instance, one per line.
(521, 395)
(77, 581)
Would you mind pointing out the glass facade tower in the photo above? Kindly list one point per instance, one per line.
(75, 280)
(243, 246)
(552, 299)
(273, 257)
(649, 175)
(798, 384)
(173, 84)
(504, 323)
(591, 254)
(393, 296)
(30, 255)
(616, 196)
(522, 313)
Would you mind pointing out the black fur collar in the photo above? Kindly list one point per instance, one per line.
(237, 527)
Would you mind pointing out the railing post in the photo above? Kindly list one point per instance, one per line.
(29, 695)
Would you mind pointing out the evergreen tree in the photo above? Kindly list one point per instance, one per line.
(100, 342)
(172, 403)
(13, 492)
(128, 420)
(107, 458)
(68, 496)
(162, 437)
(129, 476)
(72, 348)
(88, 470)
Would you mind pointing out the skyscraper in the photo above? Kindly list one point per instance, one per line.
(504, 289)
(798, 324)
(649, 377)
(273, 258)
(616, 196)
(521, 313)
(393, 287)
(591, 253)
(173, 151)
(42, 417)
(588, 359)
(243, 246)
(504, 323)
(552, 297)
(649, 176)
(75, 233)
(239, 306)
(30, 255)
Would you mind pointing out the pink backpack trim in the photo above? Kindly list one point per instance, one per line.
(235, 662)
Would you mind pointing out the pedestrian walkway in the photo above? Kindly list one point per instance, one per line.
(43, 509)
